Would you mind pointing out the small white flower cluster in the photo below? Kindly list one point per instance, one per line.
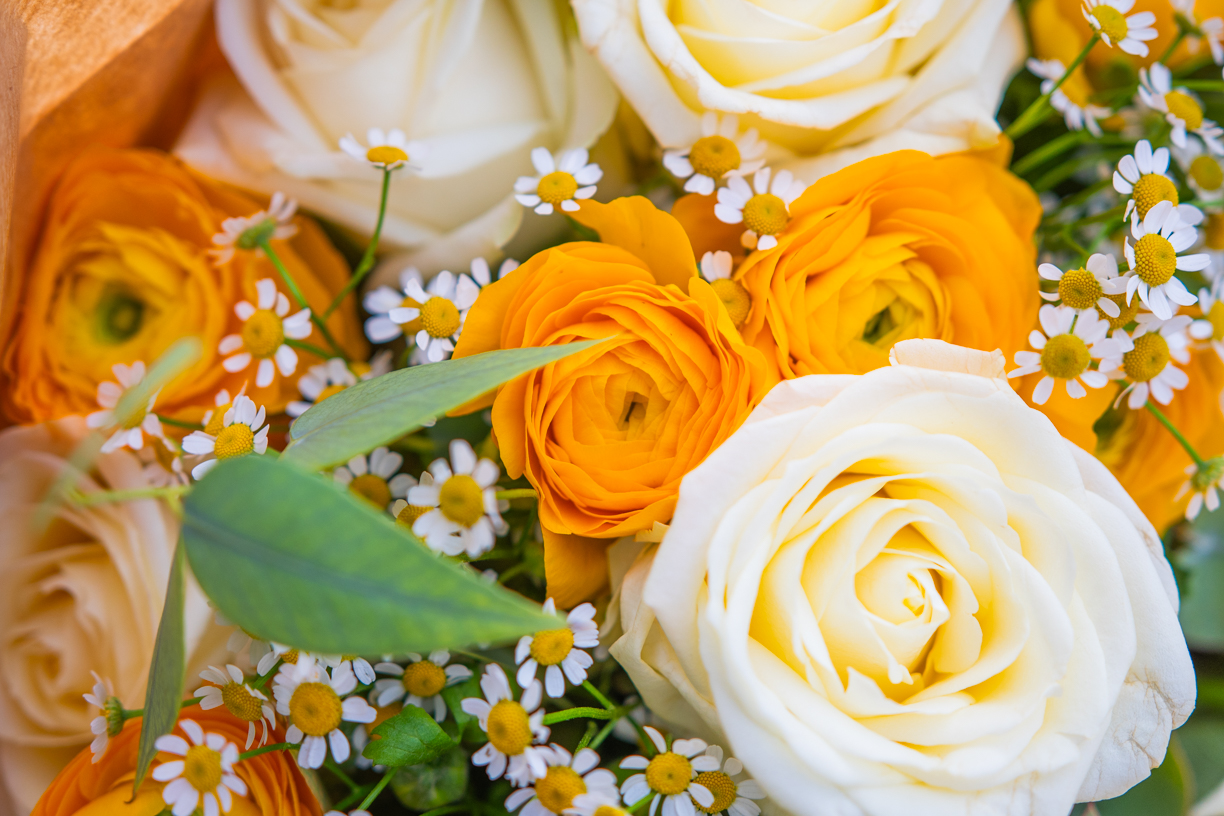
(315, 701)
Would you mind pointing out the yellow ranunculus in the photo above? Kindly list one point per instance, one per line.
(122, 271)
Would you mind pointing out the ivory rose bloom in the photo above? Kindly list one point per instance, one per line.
(904, 592)
(477, 84)
(827, 84)
(275, 786)
(122, 271)
(605, 436)
(82, 594)
(896, 247)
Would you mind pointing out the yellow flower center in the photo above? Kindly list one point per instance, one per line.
(557, 187)
(557, 788)
(424, 679)
(386, 154)
(1155, 259)
(550, 648)
(713, 156)
(765, 214)
(373, 489)
(217, 421)
(1207, 172)
(461, 500)
(509, 728)
(1184, 108)
(440, 317)
(1147, 359)
(1150, 190)
(1065, 357)
(241, 703)
(1111, 22)
(608, 810)
(722, 786)
(1126, 311)
(410, 514)
(735, 298)
(263, 334)
(290, 657)
(1216, 316)
(315, 709)
(234, 440)
(669, 774)
(329, 391)
(1213, 231)
(202, 768)
(1079, 289)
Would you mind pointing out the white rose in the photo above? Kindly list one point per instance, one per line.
(83, 594)
(904, 592)
(830, 83)
(479, 82)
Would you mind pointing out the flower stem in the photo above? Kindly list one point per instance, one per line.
(1049, 150)
(178, 423)
(1181, 35)
(108, 496)
(1164, 420)
(1035, 113)
(330, 764)
(266, 246)
(366, 264)
(602, 735)
(518, 493)
(382, 783)
(254, 752)
(576, 713)
(598, 695)
(310, 347)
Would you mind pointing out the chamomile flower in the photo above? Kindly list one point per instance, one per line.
(1084, 288)
(1141, 176)
(445, 301)
(670, 776)
(730, 795)
(1146, 359)
(279, 652)
(464, 515)
(1155, 256)
(206, 771)
(162, 465)
(407, 514)
(1204, 484)
(561, 181)
(388, 150)
(320, 382)
(763, 207)
(1077, 116)
(109, 721)
(716, 269)
(311, 699)
(375, 478)
(1210, 327)
(132, 430)
(242, 432)
(420, 683)
(598, 803)
(568, 777)
(387, 307)
(213, 420)
(247, 232)
(559, 650)
(1128, 33)
(227, 687)
(1065, 353)
(1180, 108)
(264, 330)
(1211, 30)
(516, 730)
(721, 151)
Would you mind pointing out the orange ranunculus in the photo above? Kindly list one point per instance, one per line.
(606, 435)
(275, 786)
(896, 247)
(122, 271)
(1141, 452)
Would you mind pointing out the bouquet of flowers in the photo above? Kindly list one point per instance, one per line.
(613, 407)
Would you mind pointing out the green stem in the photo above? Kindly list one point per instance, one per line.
(577, 713)
(331, 765)
(602, 735)
(382, 783)
(310, 347)
(1049, 150)
(254, 752)
(266, 246)
(586, 737)
(1207, 85)
(1036, 112)
(366, 264)
(352, 798)
(263, 681)
(1181, 35)
(598, 695)
(518, 493)
(108, 496)
(1164, 420)
(178, 423)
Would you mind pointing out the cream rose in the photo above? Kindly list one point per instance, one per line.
(827, 83)
(904, 592)
(84, 594)
(479, 82)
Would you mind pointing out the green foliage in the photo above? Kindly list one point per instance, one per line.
(166, 672)
(1202, 609)
(432, 784)
(293, 558)
(408, 738)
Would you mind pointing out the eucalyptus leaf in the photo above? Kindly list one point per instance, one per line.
(432, 784)
(294, 558)
(379, 411)
(409, 738)
(166, 673)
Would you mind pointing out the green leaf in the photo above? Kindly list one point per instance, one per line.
(1202, 608)
(454, 695)
(166, 673)
(296, 559)
(408, 738)
(432, 784)
(379, 411)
